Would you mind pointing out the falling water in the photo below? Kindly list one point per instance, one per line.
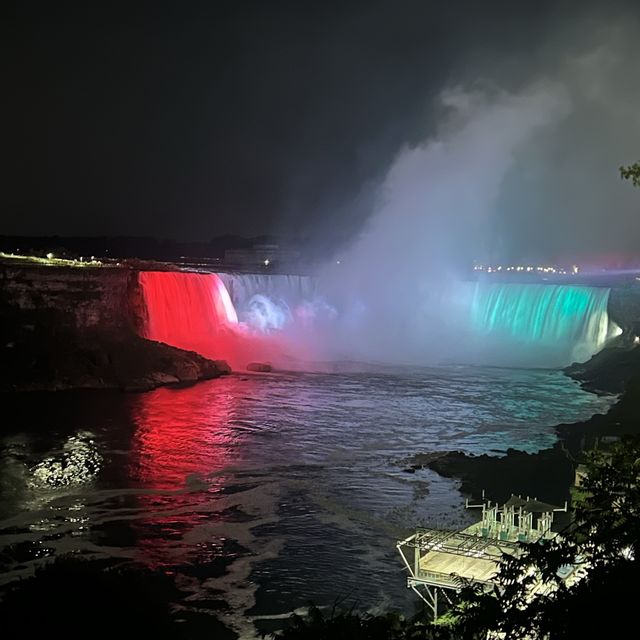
(558, 323)
(191, 311)
(278, 317)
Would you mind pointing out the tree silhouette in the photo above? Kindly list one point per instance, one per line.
(632, 172)
(600, 553)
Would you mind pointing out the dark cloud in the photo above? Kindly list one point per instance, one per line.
(192, 120)
(564, 198)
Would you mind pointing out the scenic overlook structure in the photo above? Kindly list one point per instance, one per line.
(440, 560)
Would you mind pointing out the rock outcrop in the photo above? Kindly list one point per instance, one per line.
(66, 328)
(609, 370)
(259, 367)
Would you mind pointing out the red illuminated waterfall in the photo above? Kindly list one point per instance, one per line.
(189, 310)
(193, 311)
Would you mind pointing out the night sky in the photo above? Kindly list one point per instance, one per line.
(190, 120)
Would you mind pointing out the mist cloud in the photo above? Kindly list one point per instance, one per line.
(555, 196)
(432, 215)
(563, 200)
(514, 169)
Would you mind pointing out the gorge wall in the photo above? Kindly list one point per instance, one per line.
(64, 328)
(78, 298)
(624, 307)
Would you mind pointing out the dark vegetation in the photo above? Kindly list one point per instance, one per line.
(339, 624)
(603, 543)
(73, 597)
(76, 597)
(632, 172)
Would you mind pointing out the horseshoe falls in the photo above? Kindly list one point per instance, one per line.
(514, 324)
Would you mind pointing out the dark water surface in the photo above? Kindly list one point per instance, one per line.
(261, 492)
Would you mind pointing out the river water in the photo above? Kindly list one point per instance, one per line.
(262, 492)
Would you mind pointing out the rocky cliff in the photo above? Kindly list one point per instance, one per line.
(624, 307)
(79, 298)
(63, 328)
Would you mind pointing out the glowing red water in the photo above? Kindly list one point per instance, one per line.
(193, 311)
(184, 440)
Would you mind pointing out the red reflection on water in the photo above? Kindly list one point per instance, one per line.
(184, 440)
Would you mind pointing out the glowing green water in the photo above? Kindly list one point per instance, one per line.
(572, 320)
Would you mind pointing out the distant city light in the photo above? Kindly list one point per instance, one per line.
(528, 268)
(50, 259)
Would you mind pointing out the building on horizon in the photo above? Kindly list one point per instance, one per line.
(262, 256)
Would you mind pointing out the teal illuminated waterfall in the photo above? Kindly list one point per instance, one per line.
(559, 324)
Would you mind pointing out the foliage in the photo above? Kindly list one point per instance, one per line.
(632, 172)
(532, 600)
(349, 625)
(71, 596)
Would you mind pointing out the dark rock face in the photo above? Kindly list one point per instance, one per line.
(97, 360)
(78, 298)
(609, 370)
(624, 307)
(260, 367)
(64, 328)
(547, 474)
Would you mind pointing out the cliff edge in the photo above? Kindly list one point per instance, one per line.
(66, 328)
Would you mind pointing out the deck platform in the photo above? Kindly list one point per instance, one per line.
(440, 561)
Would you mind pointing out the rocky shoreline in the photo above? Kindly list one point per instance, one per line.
(100, 360)
(550, 473)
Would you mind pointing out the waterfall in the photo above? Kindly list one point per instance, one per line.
(191, 311)
(555, 324)
(194, 311)
(243, 286)
(269, 303)
(284, 319)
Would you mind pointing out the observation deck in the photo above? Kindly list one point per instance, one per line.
(439, 561)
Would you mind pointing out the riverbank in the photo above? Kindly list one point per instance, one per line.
(94, 359)
(549, 474)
